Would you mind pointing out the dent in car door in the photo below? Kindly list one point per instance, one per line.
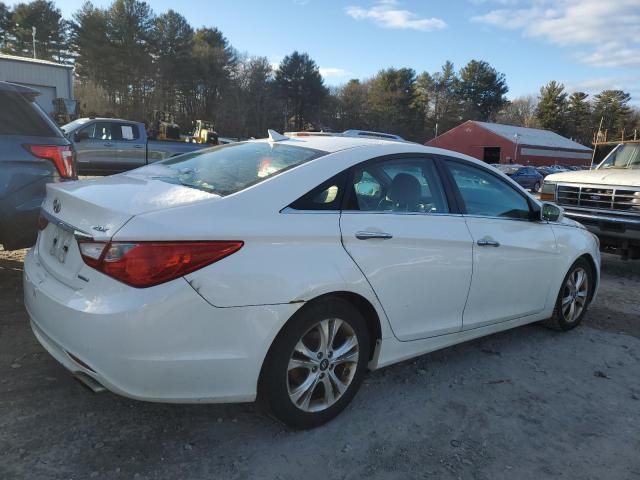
(513, 258)
(416, 257)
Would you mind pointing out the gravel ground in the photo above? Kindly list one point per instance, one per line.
(526, 404)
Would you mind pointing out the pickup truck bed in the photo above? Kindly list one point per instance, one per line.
(105, 146)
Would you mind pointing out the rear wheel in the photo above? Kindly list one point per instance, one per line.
(316, 364)
(536, 187)
(573, 298)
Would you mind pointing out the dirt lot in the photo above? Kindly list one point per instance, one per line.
(529, 403)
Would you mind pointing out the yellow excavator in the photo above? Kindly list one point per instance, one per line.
(204, 132)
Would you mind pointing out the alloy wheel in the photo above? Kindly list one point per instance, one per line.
(322, 365)
(574, 295)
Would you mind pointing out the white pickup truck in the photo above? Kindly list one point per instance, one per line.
(606, 200)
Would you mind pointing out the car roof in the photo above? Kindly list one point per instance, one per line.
(15, 88)
(331, 143)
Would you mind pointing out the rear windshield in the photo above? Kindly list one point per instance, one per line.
(19, 116)
(508, 169)
(230, 168)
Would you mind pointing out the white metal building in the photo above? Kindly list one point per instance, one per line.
(52, 80)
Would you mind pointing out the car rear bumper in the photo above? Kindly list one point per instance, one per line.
(163, 344)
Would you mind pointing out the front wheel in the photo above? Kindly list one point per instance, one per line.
(316, 364)
(573, 298)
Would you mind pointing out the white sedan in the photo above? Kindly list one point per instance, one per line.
(286, 268)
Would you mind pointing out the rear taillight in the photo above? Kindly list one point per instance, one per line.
(42, 222)
(145, 264)
(61, 156)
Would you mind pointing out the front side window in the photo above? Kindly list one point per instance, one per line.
(398, 185)
(97, 131)
(230, 168)
(486, 195)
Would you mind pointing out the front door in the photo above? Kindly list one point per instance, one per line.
(513, 256)
(416, 256)
(95, 148)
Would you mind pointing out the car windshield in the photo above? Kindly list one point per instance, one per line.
(71, 126)
(623, 157)
(508, 169)
(230, 168)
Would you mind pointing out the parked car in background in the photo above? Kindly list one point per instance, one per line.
(606, 199)
(107, 145)
(545, 170)
(33, 152)
(528, 177)
(211, 277)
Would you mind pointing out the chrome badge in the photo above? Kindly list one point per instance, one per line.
(100, 228)
(57, 205)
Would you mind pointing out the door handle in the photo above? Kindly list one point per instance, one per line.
(372, 235)
(487, 243)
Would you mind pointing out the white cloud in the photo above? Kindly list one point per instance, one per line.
(327, 72)
(593, 86)
(387, 14)
(605, 33)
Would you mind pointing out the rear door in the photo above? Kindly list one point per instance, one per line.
(95, 148)
(513, 256)
(416, 255)
(129, 145)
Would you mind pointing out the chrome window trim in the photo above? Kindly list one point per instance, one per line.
(78, 234)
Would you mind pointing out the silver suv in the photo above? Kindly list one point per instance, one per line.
(33, 152)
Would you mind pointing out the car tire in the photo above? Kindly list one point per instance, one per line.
(304, 383)
(536, 187)
(569, 309)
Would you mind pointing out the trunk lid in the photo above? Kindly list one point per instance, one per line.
(98, 208)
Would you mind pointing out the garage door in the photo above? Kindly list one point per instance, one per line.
(46, 97)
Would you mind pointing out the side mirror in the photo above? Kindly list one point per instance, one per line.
(551, 212)
(79, 136)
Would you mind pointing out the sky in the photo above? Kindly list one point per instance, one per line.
(588, 45)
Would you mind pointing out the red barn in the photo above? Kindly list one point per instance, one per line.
(497, 143)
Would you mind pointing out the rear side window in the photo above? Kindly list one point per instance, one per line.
(19, 116)
(125, 131)
(230, 168)
(327, 196)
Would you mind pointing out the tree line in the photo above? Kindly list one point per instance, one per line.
(130, 62)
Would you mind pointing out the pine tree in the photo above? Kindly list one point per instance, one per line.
(611, 107)
(579, 125)
(552, 107)
(482, 90)
(302, 88)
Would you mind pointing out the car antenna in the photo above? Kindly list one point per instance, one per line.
(275, 136)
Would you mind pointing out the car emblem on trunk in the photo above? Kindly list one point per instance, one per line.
(57, 205)
(100, 228)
